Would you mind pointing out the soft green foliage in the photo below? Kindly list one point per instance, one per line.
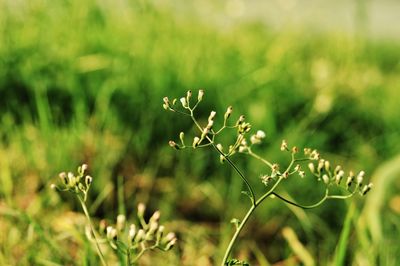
(81, 81)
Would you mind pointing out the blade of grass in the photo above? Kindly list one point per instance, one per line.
(341, 248)
(298, 248)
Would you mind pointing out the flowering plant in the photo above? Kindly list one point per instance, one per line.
(129, 242)
(329, 175)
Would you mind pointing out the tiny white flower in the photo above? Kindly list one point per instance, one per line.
(200, 95)
(260, 134)
(184, 102)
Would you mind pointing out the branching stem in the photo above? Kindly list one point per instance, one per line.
(85, 210)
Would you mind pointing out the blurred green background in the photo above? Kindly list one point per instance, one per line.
(83, 82)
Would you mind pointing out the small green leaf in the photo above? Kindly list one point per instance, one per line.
(247, 193)
(236, 222)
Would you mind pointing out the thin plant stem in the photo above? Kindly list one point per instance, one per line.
(85, 210)
(227, 159)
(138, 256)
(246, 218)
(251, 153)
(253, 199)
(238, 230)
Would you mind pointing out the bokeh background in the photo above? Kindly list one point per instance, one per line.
(83, 82)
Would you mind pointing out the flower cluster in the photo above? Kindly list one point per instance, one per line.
(78, 184)
(133, 240)
(243, 144)
(323, 171)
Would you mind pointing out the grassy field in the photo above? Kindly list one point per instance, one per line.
(83, 82)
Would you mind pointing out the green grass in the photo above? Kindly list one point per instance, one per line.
(83, 81)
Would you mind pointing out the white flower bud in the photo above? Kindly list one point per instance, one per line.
(302, 174)
(84, 167)
(325, 178)
(196, 142)
(200, 95)
(188, 95)
(327, 166)
(173, 144)
(228, 112)
(121, 222)
(285, 174)
(295, 150)
(339, 176)
(321, 164)
(132, 232)
(88, 180)
(212, 116)
(63, 177)
(161, 229)
(265, 179)
(219, 147)
(153, 227)
(360, 178)
(140, 236)
(260, 134)
(141, 209)
(366, 188)
(337, 169)
(255, 140)
(284, 145)
(350, 179)
(184, 102)
(210, 124)
(171, 244)
(311, 167)
(166, 101)
(169, 237)
(71, 179)
(314, 155)
(243, 142)
(240, 120)
(111, 233)
(156, 216)
(70, 176)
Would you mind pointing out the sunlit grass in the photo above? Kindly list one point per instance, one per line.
(81, 81)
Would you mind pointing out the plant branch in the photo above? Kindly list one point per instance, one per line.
(227, 159)
(85, 210)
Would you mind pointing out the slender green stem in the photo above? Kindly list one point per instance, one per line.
(326, 197)
(251, 153)
(238, 230)
(226, 158)
(139, 255)
(246, 218)
(85, 210)
(302, 206)
(253, 199)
